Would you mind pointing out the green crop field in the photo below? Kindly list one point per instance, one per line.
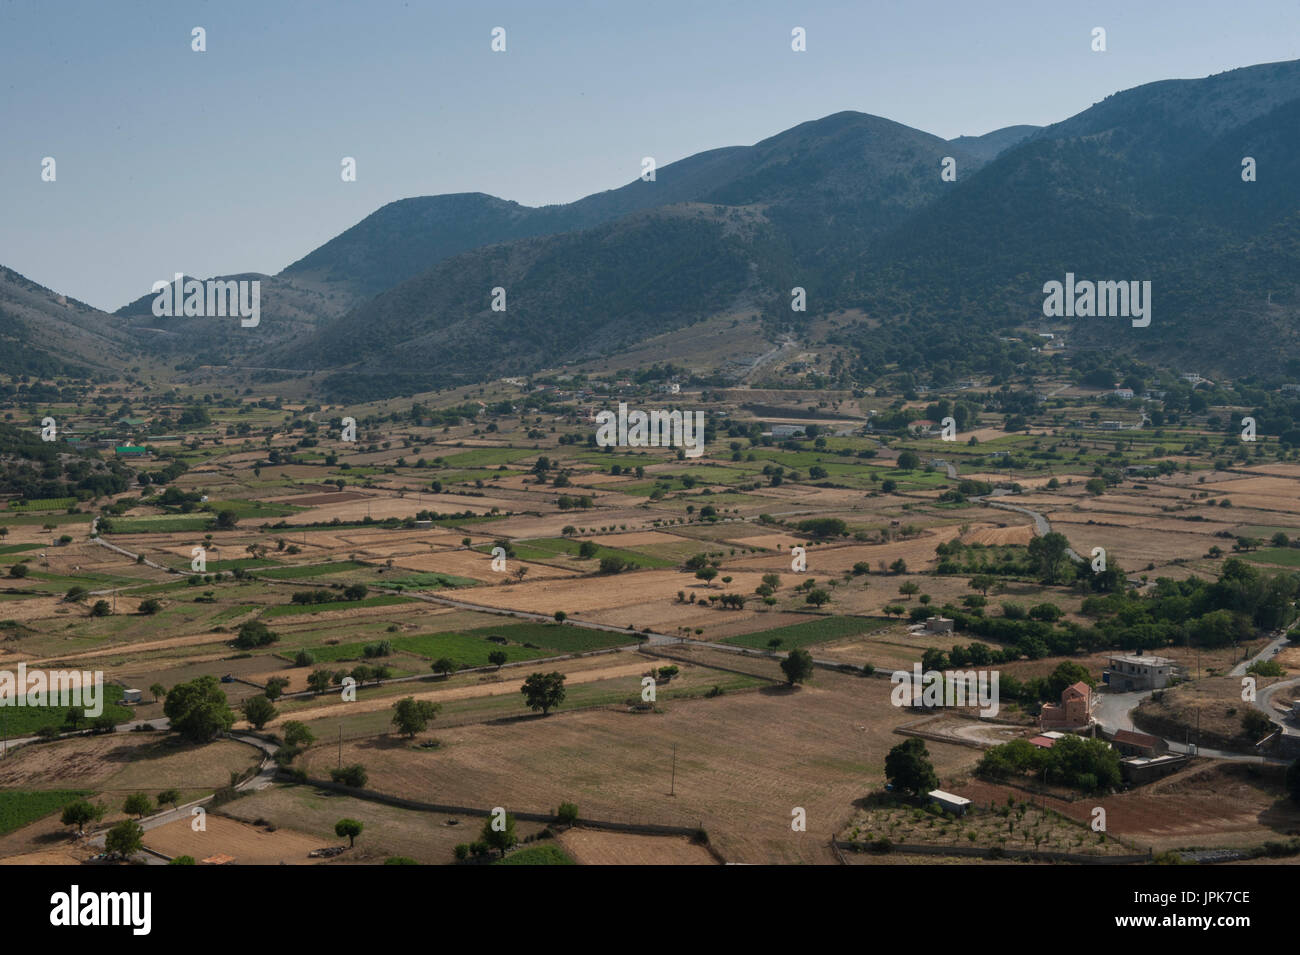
(427, 581)
(18, 808)
(484, 457)
(464, 649)
(1281, 556)
(44, 504)
(558, 637)
(20, 721)
(296, 610)
(811, 632)
(537, 855)
(550, 548)
(312, 570)
(19, 548)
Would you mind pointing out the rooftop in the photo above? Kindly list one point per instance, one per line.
(1142, 660)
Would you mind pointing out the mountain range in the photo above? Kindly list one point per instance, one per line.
(1145, 185)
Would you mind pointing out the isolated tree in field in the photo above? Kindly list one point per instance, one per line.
(137, 804)
(983, 583)
(561, 616)
(76, 594)
(259, 711)
(349, 828)
(354, 776)
(908, 767)
(500, 839)
(1050, 554)
(894, 610)
(275, 687)
(102, 608)
(296, 733)
(80, 814)
(443, 665)
(318, 681)
(908, 461)
(125, 839)
(75, 715)
(818, 597)
(497, 658)
(150, 607)
(226, 520)
(543, 691)
(198, 709)
(158, 691)
(706, 574)
(169, 797)
(909, 588)
(253, 634)
(797, 666)
(412, 716)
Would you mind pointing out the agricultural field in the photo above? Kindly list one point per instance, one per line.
(699, 576)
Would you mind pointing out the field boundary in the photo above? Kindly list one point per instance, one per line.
(373, 795)
(989, 852)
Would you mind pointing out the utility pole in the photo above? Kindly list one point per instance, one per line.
(340, 745)
(673, 792)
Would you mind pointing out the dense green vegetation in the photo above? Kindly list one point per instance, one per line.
(19, 807)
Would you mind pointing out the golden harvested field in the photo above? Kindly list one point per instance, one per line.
(1000, 536)
(585, 671)
(427, 837)
(744, 761)
(597, 847)
(250, 845)
(585, 594)
(124, 762)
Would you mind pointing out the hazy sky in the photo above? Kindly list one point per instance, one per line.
(228, 161)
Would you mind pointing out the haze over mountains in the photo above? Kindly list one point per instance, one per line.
(1144, 185)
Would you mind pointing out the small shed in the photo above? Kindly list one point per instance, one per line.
(957, 805)
(131, 696)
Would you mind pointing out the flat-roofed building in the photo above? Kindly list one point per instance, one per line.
(1136, 671)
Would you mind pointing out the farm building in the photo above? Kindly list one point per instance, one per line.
(131, 696)
(1131, 743)
(1137, 770)
(787, 430)
(957, 805)
(1134, 671)
(938, 625)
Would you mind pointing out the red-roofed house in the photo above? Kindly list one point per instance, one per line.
(1131, 743)
(1073, 712)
